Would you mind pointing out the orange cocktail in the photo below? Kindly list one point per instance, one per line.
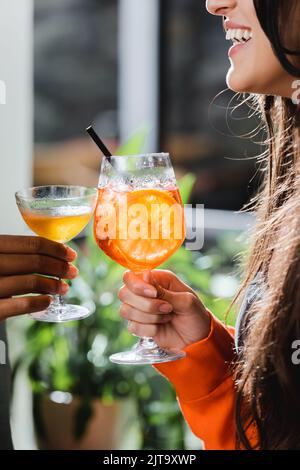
(139, 223)
(139, 229)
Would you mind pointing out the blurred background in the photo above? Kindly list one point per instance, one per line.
(125, 66)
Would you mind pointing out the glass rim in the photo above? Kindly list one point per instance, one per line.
(141, 155)
(21, 194)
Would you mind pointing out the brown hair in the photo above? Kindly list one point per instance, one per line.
(268, 383)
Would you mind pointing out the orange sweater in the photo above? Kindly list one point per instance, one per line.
(205, 387)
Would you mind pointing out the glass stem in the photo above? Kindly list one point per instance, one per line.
(146, 343)
(58, 301)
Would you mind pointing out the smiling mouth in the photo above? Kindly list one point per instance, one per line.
(238, 36)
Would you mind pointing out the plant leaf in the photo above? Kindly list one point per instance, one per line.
(185, 185)
(134, 144)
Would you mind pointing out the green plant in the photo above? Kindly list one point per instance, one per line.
(74, 357)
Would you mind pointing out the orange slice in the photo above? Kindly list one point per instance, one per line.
(155, 227)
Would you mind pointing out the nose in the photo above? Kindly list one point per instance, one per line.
(220, 7)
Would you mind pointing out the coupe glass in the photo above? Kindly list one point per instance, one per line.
(58, 213)
(139, 223)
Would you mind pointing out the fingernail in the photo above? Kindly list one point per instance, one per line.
(71, 254)
(72, 271)
(166, 308)
(150, 293)
(63, 288)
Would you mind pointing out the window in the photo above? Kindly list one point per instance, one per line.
(194, 64)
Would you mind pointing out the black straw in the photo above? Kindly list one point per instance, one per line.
(99, 142)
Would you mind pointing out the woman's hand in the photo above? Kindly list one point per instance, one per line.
(160, 306)
(22, 261)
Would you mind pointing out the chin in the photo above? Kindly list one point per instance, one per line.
(240, 82)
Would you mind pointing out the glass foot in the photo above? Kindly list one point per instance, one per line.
(62, 314)
(150, 355)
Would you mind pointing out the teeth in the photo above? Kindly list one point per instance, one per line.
(247, 35)
(238, 35)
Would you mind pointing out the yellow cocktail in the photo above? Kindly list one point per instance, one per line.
(58, 213)
(59, 225)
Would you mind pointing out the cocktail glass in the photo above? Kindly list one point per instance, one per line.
(139, 223)
(58, 213)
